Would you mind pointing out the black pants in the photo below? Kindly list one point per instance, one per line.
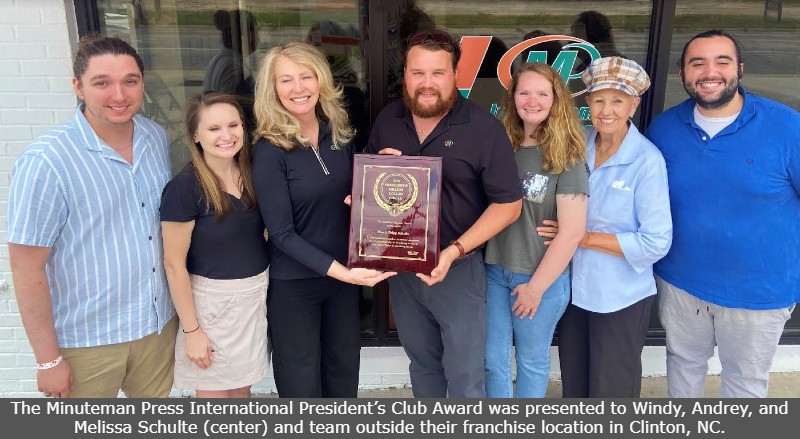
(601, 353)
(315, 335)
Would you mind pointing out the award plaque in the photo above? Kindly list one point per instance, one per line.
(394, 215)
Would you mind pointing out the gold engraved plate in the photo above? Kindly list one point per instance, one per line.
(395, 193)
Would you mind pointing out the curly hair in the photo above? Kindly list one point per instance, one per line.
(561, 136)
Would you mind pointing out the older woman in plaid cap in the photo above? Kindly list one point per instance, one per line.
(628, 229)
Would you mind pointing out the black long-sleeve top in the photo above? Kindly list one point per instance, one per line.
(301, 198)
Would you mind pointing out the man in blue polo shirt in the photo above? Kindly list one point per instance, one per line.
(732, 275)
(441, 315)
(85, 239)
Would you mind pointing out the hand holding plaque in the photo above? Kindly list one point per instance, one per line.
(394, 214)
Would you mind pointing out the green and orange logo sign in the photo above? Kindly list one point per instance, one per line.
(474, 48)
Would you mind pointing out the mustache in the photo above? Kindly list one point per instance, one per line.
(719, 79)
(431, 90)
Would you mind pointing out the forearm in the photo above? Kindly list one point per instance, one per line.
(492, 221)
(197, 347)
(302, 251)
(339, 272)
(36, 310)
(177, 240)
(571, 210)
(602, 242)
(180, 289)
(556, 258)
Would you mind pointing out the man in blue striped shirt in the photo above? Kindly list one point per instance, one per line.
(84, 237)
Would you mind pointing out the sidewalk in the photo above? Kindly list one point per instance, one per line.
(781, 385)
(384, 374)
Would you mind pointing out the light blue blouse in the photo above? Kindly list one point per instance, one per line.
(630, 198)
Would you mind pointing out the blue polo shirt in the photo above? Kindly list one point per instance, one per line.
(478, 166)
(735, 202)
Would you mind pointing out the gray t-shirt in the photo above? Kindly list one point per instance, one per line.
(519, 248)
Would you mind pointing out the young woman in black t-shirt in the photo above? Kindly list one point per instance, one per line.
(216, 255)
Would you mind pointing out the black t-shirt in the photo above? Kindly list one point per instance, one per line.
(301, 197)
(478, 166)
(231, 248)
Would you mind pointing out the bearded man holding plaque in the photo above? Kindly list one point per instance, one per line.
(441, 315)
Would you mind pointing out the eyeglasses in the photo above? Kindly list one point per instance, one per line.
(435, 36)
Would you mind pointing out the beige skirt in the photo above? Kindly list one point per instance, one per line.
(233, 314)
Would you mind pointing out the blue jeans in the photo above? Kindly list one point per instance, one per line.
(532, 337)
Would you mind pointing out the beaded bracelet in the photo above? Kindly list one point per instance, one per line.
(189, 332)
(50, 364)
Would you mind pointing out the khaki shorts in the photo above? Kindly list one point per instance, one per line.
(141, 368)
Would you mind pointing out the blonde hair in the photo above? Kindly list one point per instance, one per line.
(274, 122)
(560, 135)
(211, 185)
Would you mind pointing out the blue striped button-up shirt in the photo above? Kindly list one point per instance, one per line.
(72, 192)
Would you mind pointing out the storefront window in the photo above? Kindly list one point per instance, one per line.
(510, 32)
(768, 32)
(769, 44)
(194, 45)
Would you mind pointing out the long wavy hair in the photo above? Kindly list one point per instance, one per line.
(560, 135)
(275, 122)
(212, 186)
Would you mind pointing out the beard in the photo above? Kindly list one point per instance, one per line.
(437, 109)
(725, 96)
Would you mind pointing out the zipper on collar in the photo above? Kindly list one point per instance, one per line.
(319, 159)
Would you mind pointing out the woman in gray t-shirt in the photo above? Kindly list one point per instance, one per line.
(528, 281)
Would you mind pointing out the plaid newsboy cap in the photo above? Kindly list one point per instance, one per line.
(616, 72)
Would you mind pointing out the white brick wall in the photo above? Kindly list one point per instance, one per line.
(36, 37)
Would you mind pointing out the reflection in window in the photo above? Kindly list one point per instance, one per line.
(769, 46)
(619, 27)
(196, 45)
(191, 46)
(186, 50)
